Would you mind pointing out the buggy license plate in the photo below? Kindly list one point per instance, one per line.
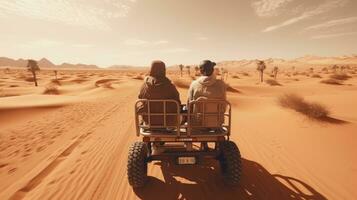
(186, 160)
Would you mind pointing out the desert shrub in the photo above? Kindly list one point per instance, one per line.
(51, 89)
(138, 77)
(102, 81)
(29, 79)
(235, 76)
(181, 83)
(78, 80)
(273, 82)
(331, 81)
(82, 76)
(316, 76)
(341, 76)
(297, 103)
(245, 74)
(55, 82)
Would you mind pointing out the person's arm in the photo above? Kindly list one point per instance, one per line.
(190, 93)
(175, 94)
(225, 86)
(143, 92)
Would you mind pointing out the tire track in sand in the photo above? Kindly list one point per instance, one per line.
(36, 180)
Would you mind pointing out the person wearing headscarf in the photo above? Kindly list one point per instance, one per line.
(157, 86)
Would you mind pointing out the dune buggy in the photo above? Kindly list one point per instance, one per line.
(183, 136)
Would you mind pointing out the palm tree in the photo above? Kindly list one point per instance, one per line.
(275, 72)
(334, 68)
(55, 71)
(32, 66)
(188, 67)
(261, 67)
(293, 68)
(197, 71)
(224, 74)
(181, 69)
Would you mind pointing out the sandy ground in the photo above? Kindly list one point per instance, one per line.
(69, 139)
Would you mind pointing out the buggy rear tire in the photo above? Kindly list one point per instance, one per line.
(137, 164)
(230, 162)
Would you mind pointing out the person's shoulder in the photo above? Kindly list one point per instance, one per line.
(194, 83)
(221, 83)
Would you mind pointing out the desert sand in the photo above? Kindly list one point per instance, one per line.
(69, 138)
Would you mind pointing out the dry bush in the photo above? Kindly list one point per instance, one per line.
(79, 80)
(304, 74)
(55, 82)
(341, 76)
(82, 76)
(138, 77)
(297, 103)
(272, 82)
(51, 89)
(13, 86)
(316, 76)
(245, 74)
(235, 76)
(29, 79)
(331, 81)
(64, 78)
(102, 81)
(181, 83)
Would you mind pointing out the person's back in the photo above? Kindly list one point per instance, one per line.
(157, 86)
(207, 87)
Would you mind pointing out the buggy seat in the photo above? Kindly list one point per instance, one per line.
(204, 118)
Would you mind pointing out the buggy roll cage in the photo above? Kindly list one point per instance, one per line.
(202, 115)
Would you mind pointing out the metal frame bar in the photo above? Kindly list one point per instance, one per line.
(173, 155)
(187, 129)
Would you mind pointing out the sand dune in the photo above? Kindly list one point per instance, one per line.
(74, 145)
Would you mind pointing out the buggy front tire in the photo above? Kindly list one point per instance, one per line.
(137, 164)
(230, 162)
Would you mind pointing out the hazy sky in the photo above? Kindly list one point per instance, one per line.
(134, 32)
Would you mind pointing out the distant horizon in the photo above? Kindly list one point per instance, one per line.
(219, 61)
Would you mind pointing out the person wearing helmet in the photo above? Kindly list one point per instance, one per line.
(207, 85)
